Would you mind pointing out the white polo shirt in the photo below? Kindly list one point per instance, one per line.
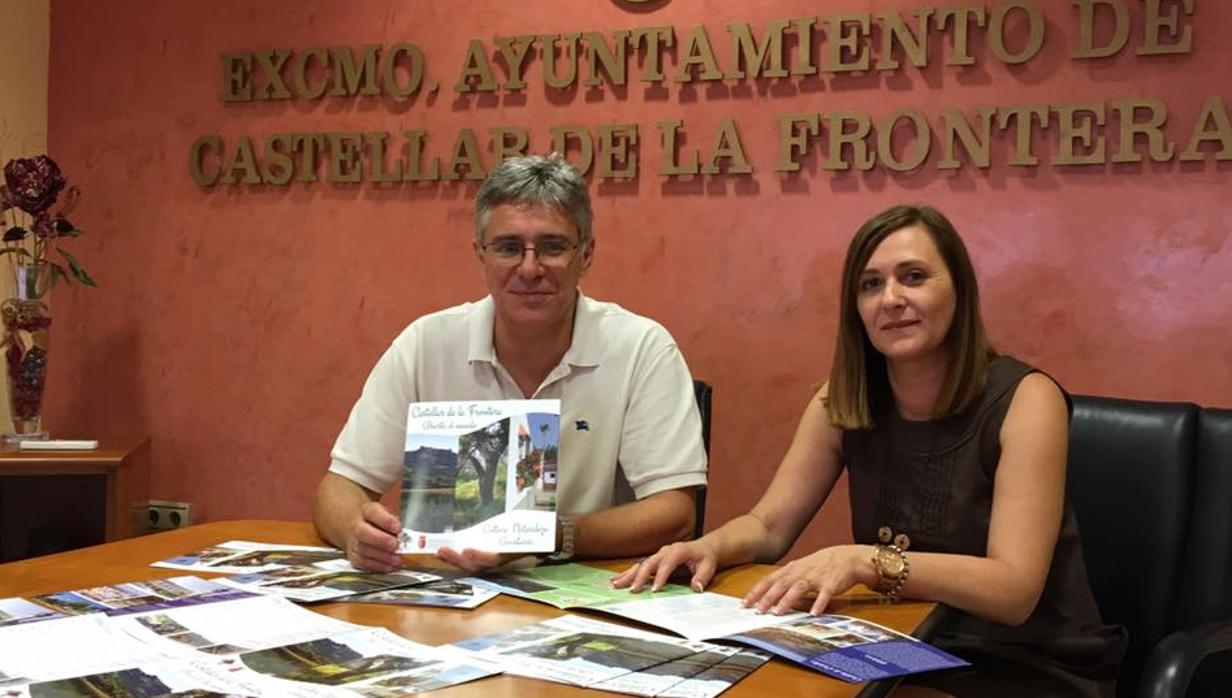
(629, 424)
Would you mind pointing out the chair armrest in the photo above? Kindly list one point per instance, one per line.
(1175, 659)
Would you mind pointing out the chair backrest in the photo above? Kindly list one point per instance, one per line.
(1205, 594)
(1130, 482)
(1206, 582)
(703, 392)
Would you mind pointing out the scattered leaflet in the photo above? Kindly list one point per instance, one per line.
(64, 648)
(262, 647)
(16, 610)
(138, 597)
(661, 678)
(369, 663)
(850, 649)
(156, 680)
(696, 616)
(568, 586)
(480, 474)
(846, 648)
(718, 678)
(239, 556)
(257, 622)
(308, 584)
(450, 593)
(584, 652)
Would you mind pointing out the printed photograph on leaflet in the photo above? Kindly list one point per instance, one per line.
(243, 625)
(309, 584)
(238, 556)
(480, 474)
(17, 610)
(579, 651)
(567, 586)
(138, 597)
(125, 683)
(372, 662)
(661, 678)
(718, 678)
(448, 593)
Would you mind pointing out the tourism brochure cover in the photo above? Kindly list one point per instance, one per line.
(480, 474)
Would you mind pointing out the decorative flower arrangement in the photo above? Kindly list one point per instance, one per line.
(32, 236)
(31, 188)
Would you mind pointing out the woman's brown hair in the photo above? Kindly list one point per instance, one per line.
(859, 383)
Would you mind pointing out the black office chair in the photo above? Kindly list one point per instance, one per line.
(1201, 642)
(703, 392)
(1150, 484)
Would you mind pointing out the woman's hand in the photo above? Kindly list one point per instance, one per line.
(698, 555)
(823, 574)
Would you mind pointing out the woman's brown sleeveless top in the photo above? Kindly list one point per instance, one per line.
(933, 481)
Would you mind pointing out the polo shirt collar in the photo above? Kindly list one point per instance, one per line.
(584, 349)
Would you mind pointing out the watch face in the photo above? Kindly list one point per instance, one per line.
(891, 564)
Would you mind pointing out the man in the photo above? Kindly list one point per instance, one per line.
(631, 449)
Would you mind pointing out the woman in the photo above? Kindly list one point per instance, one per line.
(956, 458)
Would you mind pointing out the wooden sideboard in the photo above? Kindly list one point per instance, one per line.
(70, 499)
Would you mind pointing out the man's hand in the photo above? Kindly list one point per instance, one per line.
(475, 561)
(372, 539)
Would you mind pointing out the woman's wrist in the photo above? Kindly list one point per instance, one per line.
(866, 571)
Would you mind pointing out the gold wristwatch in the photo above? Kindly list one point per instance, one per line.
(892, 569)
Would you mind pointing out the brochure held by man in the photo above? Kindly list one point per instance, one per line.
(480, 474)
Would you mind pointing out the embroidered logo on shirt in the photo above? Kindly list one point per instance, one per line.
(582, 425)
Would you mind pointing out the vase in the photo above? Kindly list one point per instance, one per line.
(27, 330)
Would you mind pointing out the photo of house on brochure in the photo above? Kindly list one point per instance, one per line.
(480, 474)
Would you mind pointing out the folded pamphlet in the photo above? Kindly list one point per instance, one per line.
(481, 474)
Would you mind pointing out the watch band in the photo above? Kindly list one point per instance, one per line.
(890, 580)
(564, 540)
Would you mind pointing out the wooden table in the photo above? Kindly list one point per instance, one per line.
(91, 496)
(128, 560)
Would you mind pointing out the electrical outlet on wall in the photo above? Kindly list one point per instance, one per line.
(165, 514)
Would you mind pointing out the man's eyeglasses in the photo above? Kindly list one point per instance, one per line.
(548, 253)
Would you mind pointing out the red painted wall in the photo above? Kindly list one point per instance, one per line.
(235, 326)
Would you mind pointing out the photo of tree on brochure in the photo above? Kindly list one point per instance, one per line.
(467, 463)
(449, 483)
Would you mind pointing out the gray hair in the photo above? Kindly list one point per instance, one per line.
(535, 179)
